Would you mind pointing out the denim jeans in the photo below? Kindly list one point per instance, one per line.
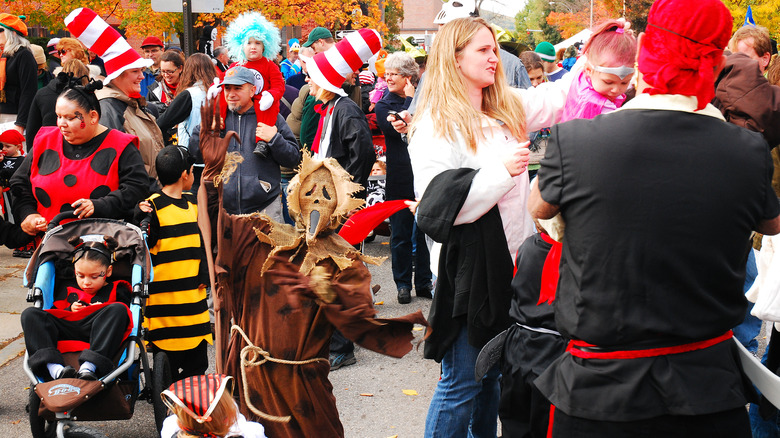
(749, 329)
(406, 256)
(460, 406)
(285, 213)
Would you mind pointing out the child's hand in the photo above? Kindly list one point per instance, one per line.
(145, 206)
(214, 89)
(78, 305)
(265, 132)
(266, 100)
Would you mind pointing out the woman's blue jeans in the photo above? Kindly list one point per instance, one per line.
(462, 407)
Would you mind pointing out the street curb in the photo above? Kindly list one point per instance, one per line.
(12, 351)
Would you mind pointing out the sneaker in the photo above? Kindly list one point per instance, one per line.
(17, 253)
(341, 360)
(404, 296)
(66, 373)
(87, 375)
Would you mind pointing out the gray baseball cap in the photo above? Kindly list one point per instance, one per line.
(238, 76)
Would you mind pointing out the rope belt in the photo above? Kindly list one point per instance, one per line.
(585, 350)
(253, 356)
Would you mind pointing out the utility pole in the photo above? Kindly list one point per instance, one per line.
(187, 22)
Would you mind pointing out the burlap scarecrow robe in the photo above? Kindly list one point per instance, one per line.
(289, 312)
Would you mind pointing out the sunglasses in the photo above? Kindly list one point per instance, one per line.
(62, 51)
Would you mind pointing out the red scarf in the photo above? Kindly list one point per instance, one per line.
(168, 92)
(550, 271)
(315, 147)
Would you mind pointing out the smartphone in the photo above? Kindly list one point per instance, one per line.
(396, 116)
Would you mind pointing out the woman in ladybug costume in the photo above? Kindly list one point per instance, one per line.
(80, 166)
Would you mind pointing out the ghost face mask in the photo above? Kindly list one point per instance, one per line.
(318, 200)
(320, 195)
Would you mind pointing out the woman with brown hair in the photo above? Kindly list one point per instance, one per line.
(198, 74)
(162, 92)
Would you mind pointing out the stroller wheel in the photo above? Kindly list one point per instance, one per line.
(161, 380)
(39, 427)
(74, 431)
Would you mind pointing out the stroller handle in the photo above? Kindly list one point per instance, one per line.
(59, 218)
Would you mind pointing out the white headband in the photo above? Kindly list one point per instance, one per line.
(620, 72)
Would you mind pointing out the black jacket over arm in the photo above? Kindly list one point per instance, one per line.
(475, 268)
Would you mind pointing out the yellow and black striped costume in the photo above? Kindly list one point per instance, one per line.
(176, 311)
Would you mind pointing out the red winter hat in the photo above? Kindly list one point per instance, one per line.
(330, 68)
(199, 395)
(152, 41)
(12, 136)
(14, 23)
(682, 45)
(105, 41)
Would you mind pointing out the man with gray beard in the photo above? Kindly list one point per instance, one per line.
(255, 185)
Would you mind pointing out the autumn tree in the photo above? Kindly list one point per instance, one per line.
(532, 21)
(764, 14)
(138, 19)
(571, 16)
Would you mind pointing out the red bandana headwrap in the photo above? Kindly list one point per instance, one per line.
(683, 43)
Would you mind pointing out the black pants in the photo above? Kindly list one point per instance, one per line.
(187, 363)
(733, 423)
(103, 330)
(340, 345)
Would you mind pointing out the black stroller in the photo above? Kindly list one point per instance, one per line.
(56, 405)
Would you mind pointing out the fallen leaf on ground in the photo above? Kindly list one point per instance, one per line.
(379, 303)
(410, 392)
(393, 436)
(384, 243)
(418, 329)
(366, 394)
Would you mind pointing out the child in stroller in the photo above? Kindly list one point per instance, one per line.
(94, 310)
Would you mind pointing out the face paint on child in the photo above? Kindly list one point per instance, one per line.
(91, 275)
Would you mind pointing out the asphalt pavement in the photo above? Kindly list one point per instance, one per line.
(378, 397)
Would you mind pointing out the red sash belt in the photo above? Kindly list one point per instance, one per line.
(580, 349)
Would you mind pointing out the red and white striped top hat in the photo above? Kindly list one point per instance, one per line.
(105, 41)
(330, 68)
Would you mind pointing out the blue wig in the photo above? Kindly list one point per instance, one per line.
(252, 25)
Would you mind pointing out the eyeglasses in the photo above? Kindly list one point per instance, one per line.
(169, 72)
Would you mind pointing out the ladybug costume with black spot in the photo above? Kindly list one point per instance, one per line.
(65, 179)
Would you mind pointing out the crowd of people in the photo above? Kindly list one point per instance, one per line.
(569, 205)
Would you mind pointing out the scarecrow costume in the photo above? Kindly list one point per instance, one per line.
(287, 288)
